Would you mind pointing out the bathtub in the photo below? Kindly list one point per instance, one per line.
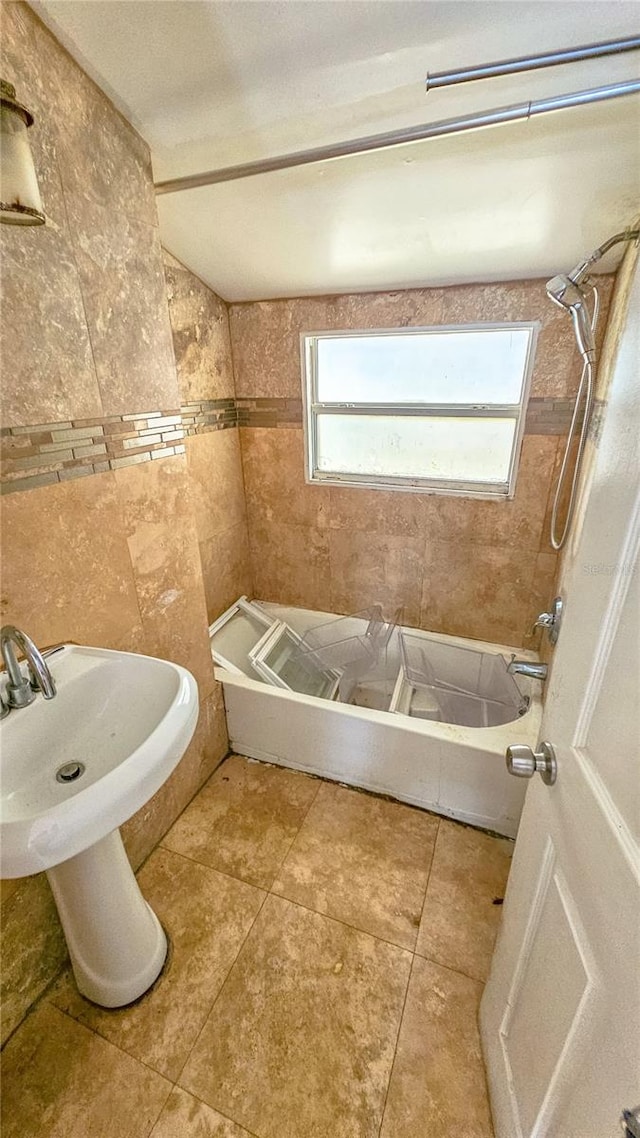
(458, 771)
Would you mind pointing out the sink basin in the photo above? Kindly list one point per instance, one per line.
(127, 718)
(116, 728)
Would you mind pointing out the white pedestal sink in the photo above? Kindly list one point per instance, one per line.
(118, 725)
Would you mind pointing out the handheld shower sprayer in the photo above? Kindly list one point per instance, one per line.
(565, 291)
(568, 291)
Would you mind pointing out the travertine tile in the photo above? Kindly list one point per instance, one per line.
(33, 948)
(273, 463)
(206, 915)
(48, 369)
(215, 476)
(245, 819)
(201, 340)
(363, 860)
(517, 522)
(481, 591)
(163, 547)
(266, 343)
(438, 1086)
(386, 512)
(66, 568)
(186, 1117)
(123, 287)
(301, 1039)
(290, 563)
(209, 745)
(63, 1081)
(370, 568)
(226, 569)
(401, 309)
(459, 920)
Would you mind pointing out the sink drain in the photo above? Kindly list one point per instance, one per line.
(69, 772)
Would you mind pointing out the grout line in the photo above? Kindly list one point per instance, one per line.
(219, 993)
(110, 1042)
(340, 921)
(214, 869)
(449, 968)
(395, 1050)
(227, 1117)
(424, 899)
(293, 840)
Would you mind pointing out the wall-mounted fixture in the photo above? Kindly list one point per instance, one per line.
(20, 202)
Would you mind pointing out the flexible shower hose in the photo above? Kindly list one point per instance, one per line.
(584, 398)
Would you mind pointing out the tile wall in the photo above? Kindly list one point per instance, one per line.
(461, 566)
(105, 517)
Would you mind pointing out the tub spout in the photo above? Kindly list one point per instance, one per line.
(527, 668)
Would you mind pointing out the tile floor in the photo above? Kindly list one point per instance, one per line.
(328, 954)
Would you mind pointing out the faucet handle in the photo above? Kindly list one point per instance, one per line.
(550, 620)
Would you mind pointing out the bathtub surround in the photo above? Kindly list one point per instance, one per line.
(202, 344)
(459, 566)
(100, 539)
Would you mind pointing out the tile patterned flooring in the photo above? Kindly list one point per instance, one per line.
(328, 952)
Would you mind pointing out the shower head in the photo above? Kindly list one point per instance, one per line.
(567, 291)
(564, 291)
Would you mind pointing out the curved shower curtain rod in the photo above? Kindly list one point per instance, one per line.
(514, 113)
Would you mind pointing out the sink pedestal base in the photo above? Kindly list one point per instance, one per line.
(116, 943)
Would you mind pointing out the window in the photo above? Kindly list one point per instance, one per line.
(437, 409)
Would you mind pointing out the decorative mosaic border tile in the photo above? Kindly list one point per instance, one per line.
(55, 452)
(544, 416)
(269, 412)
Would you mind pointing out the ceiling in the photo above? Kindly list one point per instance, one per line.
(218, 82)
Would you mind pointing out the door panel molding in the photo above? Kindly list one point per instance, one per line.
(552, 885)
(619, 592)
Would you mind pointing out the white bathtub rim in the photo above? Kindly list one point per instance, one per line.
(489, 738)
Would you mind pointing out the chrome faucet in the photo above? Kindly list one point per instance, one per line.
(21, 690)
(527, 668)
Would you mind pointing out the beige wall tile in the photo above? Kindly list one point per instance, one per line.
(120, 265)
(215, 477)
(438, 1084)
(59, 1079)
(273, 464)
(201, 340)
(265, 338)
(369, 568)
(66, 569)
(302, 1037)
(375, 511)
(48, 369)
(481, 591)
(403, 309)
(226, 569)
(290, 564)
(100, 155)
(163, 547)
(266, 343)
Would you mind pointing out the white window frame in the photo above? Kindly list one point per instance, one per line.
(312, 407)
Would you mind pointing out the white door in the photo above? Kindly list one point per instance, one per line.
(560, 1016)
